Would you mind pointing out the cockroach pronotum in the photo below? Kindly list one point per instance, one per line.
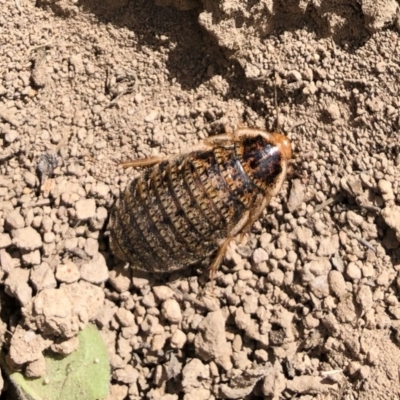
(186, 207)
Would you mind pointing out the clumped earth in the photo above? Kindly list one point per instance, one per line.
(307, 306)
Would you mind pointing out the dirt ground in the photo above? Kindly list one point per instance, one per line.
(308, 307)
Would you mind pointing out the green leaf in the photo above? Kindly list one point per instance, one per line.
(83, 374)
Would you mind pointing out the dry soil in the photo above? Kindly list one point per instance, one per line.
(308, 306)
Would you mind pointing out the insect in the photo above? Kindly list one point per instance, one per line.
(183, 208)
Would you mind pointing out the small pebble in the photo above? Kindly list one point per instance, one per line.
(47, 223)
(354, 218)
(194, 372)
(14, 220)
(125, 317)
(30, 179)
(100, 190)
(32, 258)
(36, 369)
(383, 278)
(171, 311)
(65, 347)
(11, 136)
(148, 300)
(353, 271)
(211, 342)
(85, 209)
(67, 272)
(95, 271)
(319, 286)
(178, 339)
(16, 285)
(163, 293)
(310, 322)
(276, 277)
(120, 278)
(158, 342)
(364, 298)
(128, 374)
(26, 239)
(259, 255)
(5, 240)
(49, 237)
(91, 247)
(245, 274)
(47, 163)
(6, 261)
(138, 98)
(151, 116)
(333, 111)
(294, 75)
(386, 189)
(337, 283)
(250, 304)
(364, 372)
(296, 196)
(42, 277)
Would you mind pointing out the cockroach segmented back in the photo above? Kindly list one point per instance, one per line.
(183, 208)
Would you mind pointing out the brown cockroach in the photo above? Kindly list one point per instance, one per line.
(186, 207)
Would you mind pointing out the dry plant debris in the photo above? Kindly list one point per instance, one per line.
(308, 305)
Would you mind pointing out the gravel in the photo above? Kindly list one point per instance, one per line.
(307, 302)
(26, 239)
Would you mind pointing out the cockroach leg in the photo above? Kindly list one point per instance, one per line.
(220, 255)
(222, 249)
(218, 140)
(143, 162)
(259, 206)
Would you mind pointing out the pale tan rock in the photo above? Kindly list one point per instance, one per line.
(171, 310)
(210, 342)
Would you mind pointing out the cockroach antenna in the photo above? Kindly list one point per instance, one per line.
(277, 123)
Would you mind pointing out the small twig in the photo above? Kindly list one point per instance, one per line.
(333, 46)
(78, 252)
(326, 203)
(356, 81)
(18, 5)
(362, 241)
(369, 207)
(295, 125)
(331, 372)
(39, 203)
(108, 83)
(50, 43)
(186, 297)
(277, 122)
(115, 100)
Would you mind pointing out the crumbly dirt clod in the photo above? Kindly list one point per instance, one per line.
(306, 305)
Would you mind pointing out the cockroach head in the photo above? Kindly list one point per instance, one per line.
(284, 144)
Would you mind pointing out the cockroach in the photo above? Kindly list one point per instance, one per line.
(184, 208)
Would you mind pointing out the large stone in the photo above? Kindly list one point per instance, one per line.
(26, 239)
